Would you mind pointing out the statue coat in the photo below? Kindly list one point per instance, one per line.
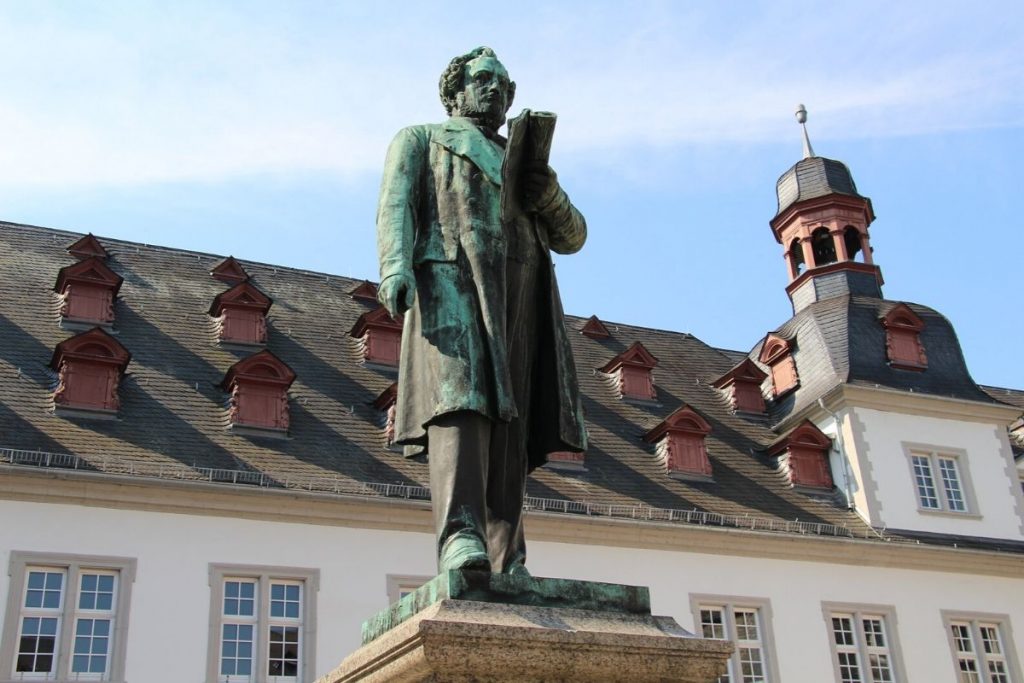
(439, 217)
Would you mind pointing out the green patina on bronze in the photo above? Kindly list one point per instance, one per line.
(466, 223)
(511, 590)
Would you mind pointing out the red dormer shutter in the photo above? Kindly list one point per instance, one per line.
(380, 336)
(89, 368)
(807, 449)
(903, 345)
(88, 289)
(681, 442)
(241, 314)
(776, 353)
(259, 392)
(743, 386)
(632, 371)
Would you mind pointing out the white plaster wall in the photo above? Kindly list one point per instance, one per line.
(994, 497)
(168, 631)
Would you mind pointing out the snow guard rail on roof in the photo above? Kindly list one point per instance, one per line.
(346, 487)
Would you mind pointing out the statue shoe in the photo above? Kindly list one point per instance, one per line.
(464, 552)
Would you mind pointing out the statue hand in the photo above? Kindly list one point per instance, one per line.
(396, 293)
(540, 186)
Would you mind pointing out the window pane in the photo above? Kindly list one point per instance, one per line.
(881, 671)
(874, 635)
(91, 646)
(96, 592)
(746, 624)
(283, 657)
(284, 601)
(962, 638)
(712, 623)
(990, 640)
(236, 650)
(37, 645)
(926, 493)
(951, 484)
(239, 598)
(849, 670)
(44, 589)
(842, 630)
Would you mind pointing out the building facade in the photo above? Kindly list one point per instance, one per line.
(199, 485)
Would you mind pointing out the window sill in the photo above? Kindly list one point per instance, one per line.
(378, 365)
(637, 401)
(259, 432)
(694, 477)
(563, 466)
(80, 325)
(236, 345)
(949, 513)
(84, 414)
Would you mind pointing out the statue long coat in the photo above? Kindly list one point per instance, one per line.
(439, 217)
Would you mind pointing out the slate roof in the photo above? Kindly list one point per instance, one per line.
(1014, 397)
(841, 341)
(814, 177)
(173, 413)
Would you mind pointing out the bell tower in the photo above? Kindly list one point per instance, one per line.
(822, 224)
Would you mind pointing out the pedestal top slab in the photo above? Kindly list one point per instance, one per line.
(511, 590)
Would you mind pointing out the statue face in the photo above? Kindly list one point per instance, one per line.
(485, 96)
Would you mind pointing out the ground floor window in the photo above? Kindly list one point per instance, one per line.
(261, 620)
(863, 642)
(746, 622)
(982, 647)
(66, 617)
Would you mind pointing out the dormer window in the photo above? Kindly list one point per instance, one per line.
(595, 329)
(742, 385)
(230, 271)
(569, 461)
(680, 440)
(87, 290)
(631, 371)
(241, 315)
(365, 292)
(380, 337)
(776, 354)
(387, 403)
(903, 345)
(89, 369)
(803, 453)
(259, 394)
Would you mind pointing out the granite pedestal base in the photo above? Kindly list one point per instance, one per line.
(463, 637)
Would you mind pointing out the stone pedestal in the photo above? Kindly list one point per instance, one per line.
(483, 627)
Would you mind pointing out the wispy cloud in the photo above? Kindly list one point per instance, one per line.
(145, 93)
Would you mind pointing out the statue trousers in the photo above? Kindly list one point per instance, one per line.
(478, 466)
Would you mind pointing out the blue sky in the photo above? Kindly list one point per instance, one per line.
(258, 129)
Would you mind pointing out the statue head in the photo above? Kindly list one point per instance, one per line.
(476, 85)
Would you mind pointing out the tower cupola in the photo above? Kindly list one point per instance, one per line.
(822, 224)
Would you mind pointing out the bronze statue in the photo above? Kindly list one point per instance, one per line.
(487, 385)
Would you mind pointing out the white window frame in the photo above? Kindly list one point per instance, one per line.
(72, 567)
(975, 622)
(262, 621)
(729, 605)
(945, 504)
(858, 613)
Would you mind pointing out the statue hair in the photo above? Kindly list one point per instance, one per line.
(453, 78)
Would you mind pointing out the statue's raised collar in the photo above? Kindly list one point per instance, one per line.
(463, 137)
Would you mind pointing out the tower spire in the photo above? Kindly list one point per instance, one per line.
(801, 117)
